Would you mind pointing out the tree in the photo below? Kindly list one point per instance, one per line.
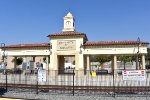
(125, 59)
(44, 59)
(147, 57)
(102, 60)
(19, 61)
(148, 54)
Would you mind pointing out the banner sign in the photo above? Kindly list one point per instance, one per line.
(41, 75)
(66, 45)
(101, 72)
(138, 75)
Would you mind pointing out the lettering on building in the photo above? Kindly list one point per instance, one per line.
(66, 45)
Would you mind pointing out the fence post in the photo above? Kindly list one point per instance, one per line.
(20, 78)
(37, 83)
(6, 79)
(73, 81)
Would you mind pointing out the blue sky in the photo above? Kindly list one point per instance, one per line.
(30, 21)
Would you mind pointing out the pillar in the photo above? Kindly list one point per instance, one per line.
(143, 61)
(15, 58)
(47, 63)
(53, 61)
(115, 65)
(77, 62)
(88, 62)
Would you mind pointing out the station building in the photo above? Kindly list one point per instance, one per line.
(72, 47)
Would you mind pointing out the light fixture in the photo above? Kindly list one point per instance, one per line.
(81, 46)
(50, 48)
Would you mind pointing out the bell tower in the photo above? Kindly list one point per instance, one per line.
(68, 23)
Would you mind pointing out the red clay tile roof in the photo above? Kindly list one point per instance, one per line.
(99, 43)
(27, 45)
(68, 33)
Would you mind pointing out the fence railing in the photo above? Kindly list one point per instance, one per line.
(75, 80)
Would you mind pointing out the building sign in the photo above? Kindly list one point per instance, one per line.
(41, 75)
(138, 75)
(66, 45)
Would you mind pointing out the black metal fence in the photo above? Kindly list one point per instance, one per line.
(73, 82)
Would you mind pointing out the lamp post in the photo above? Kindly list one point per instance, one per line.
(4, 65)
(137, 56)
(3, 58)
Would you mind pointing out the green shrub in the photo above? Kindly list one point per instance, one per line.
(1, 71)
(9, 71)
(19, 61)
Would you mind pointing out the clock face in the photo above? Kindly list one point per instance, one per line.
(68, 23)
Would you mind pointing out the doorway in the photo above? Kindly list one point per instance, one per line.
(66, 64)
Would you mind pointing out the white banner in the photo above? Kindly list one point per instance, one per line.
(138, 75)
(41, 75)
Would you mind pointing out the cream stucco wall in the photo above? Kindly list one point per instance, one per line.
(39, 53)
(27, 54)
(28, 51)
(115, 50)
(10, 63)
(76, 52)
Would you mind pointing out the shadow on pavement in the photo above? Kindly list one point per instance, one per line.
(2, 91)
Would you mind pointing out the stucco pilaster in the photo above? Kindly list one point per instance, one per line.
(143, 61)
(47, 63)
(88, 62)
(77, 61)
(80, 59)
(53, 62)
(15, 58)
(115, 65)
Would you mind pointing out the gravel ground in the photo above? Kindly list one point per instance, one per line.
(60, 96)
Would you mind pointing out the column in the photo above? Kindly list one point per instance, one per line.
(143, 61)
(15, 59)
(80, 60)
(88, 62)
(77, 62)
(115, 65)
(47, 63)
(53, 61)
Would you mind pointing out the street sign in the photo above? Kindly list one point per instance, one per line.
(41, 75)
(138, 75)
